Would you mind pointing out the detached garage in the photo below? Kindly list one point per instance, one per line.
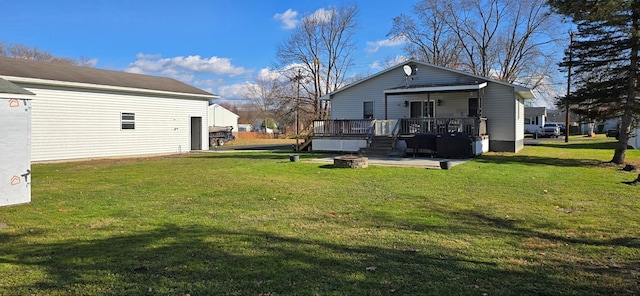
(80, 112)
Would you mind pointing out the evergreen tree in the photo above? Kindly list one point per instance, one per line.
(604, 59)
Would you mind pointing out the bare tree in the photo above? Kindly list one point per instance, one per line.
(21, 51)
(321, 47)
(428, 37)
(272, 99)
(506, 40)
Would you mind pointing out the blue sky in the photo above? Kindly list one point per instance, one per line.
(214, 45)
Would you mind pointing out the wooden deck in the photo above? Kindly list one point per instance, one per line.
(474, 127)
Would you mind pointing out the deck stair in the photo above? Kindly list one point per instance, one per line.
(306, 145)
(379, 146)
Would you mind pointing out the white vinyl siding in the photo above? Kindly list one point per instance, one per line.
(499, 106)
(345, 103)
(220, 116)
(71, 124)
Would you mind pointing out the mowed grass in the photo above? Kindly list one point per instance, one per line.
(552, 219)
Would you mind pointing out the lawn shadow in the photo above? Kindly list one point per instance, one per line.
(483, 221)
(580, 145)
(199, 260)
(538, 160)
(469, 223)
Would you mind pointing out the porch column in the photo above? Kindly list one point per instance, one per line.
(385, 106)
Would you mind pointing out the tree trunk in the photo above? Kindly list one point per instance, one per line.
(623, 138)
(627, 117)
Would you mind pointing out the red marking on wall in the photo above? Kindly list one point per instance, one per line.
(14, 103)
(15, 180)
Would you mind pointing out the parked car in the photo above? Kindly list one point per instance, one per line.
(551, 129)
(563, 128)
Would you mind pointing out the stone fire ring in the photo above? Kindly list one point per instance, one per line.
(351, 162)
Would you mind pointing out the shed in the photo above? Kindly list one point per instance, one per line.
(83, 112)
(221, 116)
(15, 132)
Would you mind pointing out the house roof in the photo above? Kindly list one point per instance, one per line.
(524, 92)
(7, 87)
(535, 111)
(217, 106)
(23, 68)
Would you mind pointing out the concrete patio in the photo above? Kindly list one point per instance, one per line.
(418, 162)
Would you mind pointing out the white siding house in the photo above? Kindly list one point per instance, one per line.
(417, 97)
(534, 119)
(80, 112)
(221, 116)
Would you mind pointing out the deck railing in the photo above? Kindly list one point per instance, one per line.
(325, 128)
(468, 125)
(404, 126)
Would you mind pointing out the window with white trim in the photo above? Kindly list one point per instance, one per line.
(367, 110)
(127, 121)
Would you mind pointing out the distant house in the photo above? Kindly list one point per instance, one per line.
(80, 112)
(245, 127)
(417, 98)
(221, 116)
(534, 119)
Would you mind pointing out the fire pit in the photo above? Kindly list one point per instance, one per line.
(351, 161)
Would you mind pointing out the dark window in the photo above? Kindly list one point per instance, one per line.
(420, 109)
(367, 108)
(474, 107)
(428, 109)
(127, 121)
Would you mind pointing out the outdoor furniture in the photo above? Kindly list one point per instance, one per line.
(422, 143)
(454, 145)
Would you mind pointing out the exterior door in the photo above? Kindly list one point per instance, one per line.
(421, 109)
(474, 107)
(196, 133)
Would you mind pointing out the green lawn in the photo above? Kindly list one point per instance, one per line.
(552, 219)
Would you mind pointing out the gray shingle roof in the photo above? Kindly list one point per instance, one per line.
(68, 73)
(7, 87)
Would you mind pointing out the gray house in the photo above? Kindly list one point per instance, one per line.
(417, 99)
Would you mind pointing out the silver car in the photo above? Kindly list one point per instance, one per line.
(551, 129)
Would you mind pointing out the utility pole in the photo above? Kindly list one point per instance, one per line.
(566, 99)
(298, 77)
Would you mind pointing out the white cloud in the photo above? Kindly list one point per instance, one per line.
(378, 65)
(233, 91)
(183, 68)
(145, 56)
(208, 82)
(321, 15)
(288, 18)
(268, 74)
(374, 46)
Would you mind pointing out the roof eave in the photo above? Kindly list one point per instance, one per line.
(442, 88)
(57, 83)
(525, 93)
